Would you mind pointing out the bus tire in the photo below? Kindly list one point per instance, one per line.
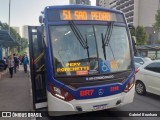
(140, 88)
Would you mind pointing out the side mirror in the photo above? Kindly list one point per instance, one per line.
(131, 26)
(134, 40)
(41, 19)
(134, 44)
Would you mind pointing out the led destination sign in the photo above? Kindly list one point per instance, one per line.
(83, 14)
(87, 15)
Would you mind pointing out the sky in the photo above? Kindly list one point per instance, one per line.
(26, 12)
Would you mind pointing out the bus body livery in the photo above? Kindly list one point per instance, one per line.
(82, 59)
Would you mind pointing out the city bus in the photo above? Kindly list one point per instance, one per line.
(81, 60)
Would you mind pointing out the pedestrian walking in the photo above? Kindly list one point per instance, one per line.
(20, 59)
(25, 62)
(16, 62)
(11, 65)
(5, 62)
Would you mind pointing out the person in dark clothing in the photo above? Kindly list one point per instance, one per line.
(5, 62)
(25, 61)
(20, 59)
(16, 62)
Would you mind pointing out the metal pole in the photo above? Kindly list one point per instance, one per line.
(9, 15)
(21, 45)
(154, 39)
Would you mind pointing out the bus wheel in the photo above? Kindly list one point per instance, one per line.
(140, 88)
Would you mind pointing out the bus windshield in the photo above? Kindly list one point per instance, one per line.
(82, 53)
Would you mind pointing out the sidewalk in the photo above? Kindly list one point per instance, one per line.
(15, 93)
(3, 73)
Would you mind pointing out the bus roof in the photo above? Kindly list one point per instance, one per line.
(81, 7)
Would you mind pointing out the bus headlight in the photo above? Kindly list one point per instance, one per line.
(60, 93)
(130, 85)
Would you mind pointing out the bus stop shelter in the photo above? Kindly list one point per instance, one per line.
(6, 40)
(152, 51)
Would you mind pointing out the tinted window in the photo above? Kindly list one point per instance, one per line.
(155, 67)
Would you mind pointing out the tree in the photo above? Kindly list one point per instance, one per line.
(141, 36)
(132, 31)
(156, 25)
(157, 42)
(24, 43)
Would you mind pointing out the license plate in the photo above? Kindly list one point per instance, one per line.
(99, 107)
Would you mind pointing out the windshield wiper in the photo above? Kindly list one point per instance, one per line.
(78, 34)
(80, 37)
(87, 48)
(108, 33)
(103, 46)
(106, 39)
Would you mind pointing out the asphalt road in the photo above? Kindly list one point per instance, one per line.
(149, 102)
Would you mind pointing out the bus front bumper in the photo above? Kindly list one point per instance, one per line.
(60, 107)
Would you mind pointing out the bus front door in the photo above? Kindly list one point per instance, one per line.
(37, 67)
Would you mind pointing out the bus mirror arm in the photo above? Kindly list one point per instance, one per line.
(134, 44)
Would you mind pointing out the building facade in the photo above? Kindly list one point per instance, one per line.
(80, 2)
(25, 31)
(103, 3)
(139, 13)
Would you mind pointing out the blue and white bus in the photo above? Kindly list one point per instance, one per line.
(81, 59)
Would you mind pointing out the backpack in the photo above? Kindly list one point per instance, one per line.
(25, 60)
(16, 60)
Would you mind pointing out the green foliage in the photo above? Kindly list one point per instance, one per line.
(156, 25)
(141, 35)
(22, 52)
(24, 43)
(132, 31)
(157, 42)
